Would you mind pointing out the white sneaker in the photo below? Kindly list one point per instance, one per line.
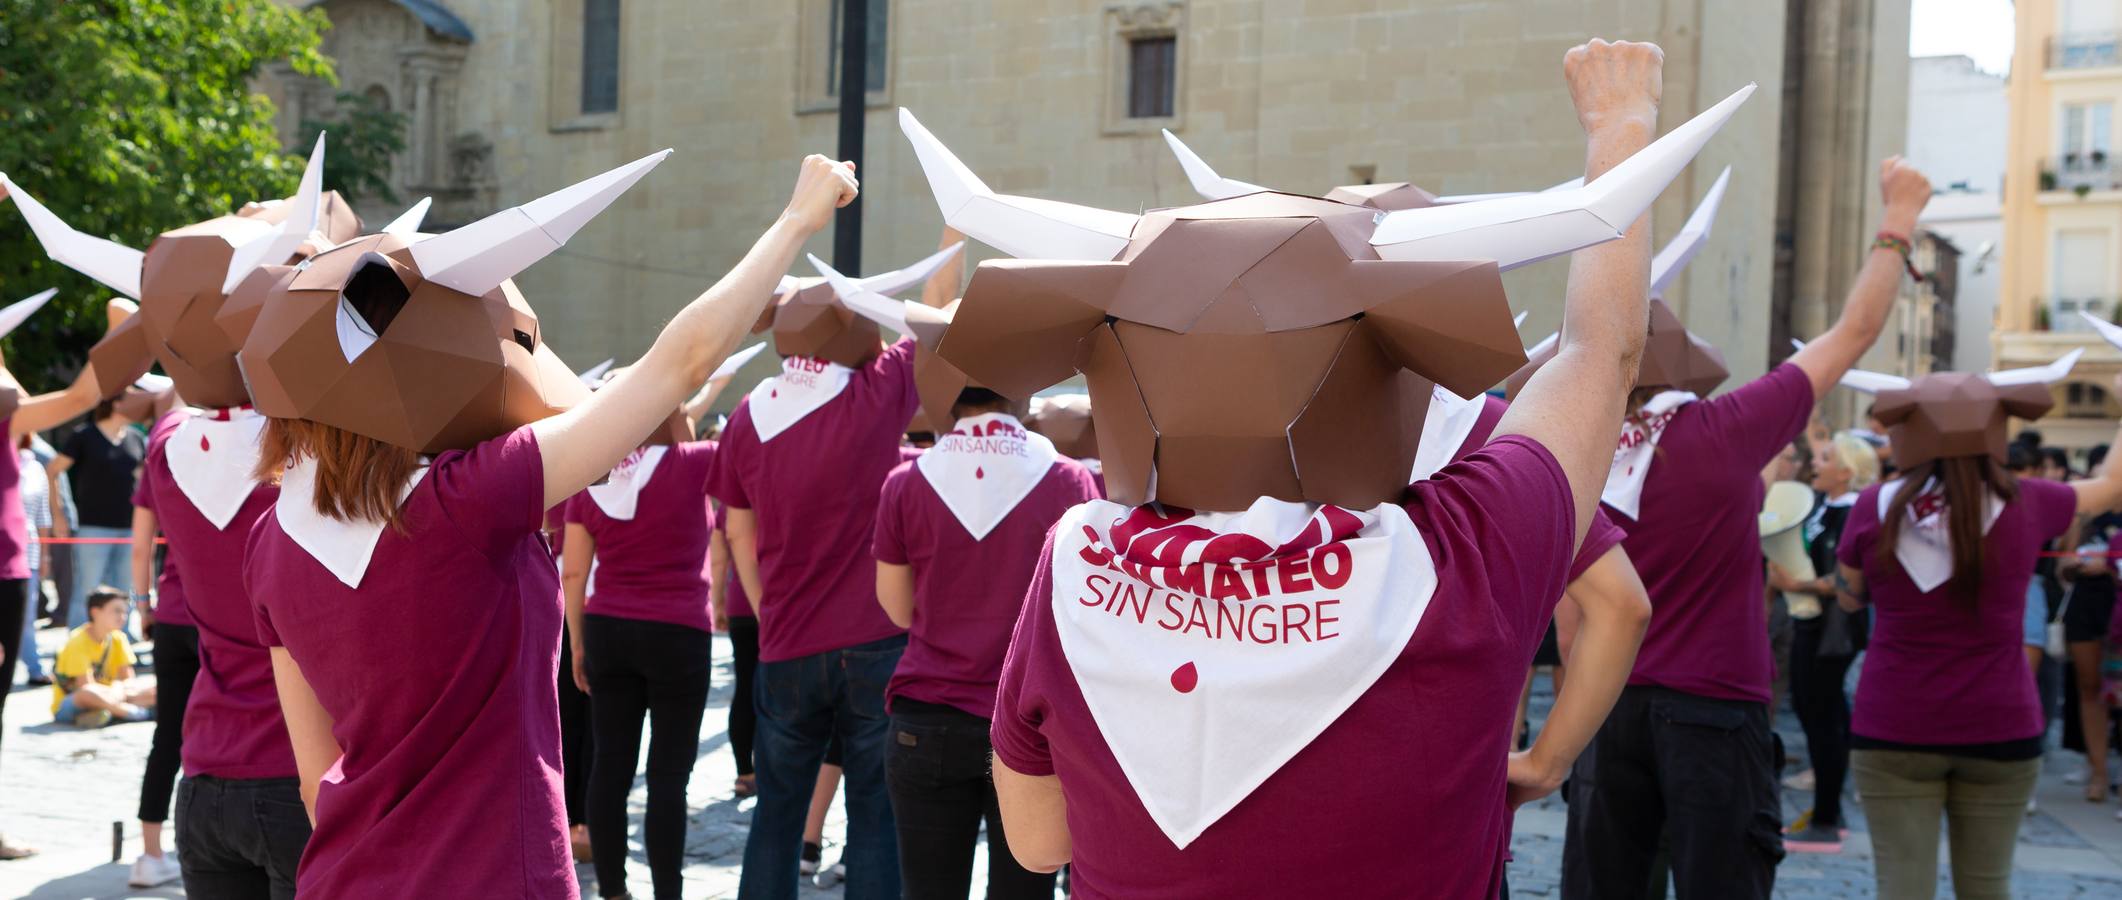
(154, 871)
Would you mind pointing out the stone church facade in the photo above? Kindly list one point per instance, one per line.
(508, 99)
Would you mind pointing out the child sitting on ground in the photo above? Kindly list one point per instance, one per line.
(93, 681)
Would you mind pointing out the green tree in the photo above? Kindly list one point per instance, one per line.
(364, 137)
(129, 118)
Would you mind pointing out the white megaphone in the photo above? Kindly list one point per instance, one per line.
(1783, 542)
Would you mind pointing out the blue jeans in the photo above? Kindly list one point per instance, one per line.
(96, 565)
(805, 703)
(31, 662)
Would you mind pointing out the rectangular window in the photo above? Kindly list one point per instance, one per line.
(879, 60)
(600, 56)
(2081, 276)
(1152, 73)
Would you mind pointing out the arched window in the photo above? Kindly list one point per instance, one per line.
(378, 97)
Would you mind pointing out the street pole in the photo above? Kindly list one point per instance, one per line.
(854, 102)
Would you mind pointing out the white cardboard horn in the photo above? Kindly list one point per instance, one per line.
(278, 244)
(1204, 178)
(14, 314)
(476, 258)
(1576, 182)
(1515, 231)
(864, 302)
(1678, 252)
(898, 280)
(115, 265)
(408, 223)
(2048, 374)
(591, 375)
(1023, 227)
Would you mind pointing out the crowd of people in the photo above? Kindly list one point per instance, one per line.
(415, 590)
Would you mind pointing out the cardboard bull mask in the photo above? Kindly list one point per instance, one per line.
(423, 342)
(1268, 344)
(1065, 419)
(1673, 357)
(1945, 415)
(185, 278)
(808, 318)
(936, 381)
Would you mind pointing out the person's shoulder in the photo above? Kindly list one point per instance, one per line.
(902, 478)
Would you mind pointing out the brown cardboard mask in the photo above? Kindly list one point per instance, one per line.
(1673, 357)
(446, 370)
(1264, 344)
(181, 301)
(1954, 414)
(1391, 195)
(810, 321)
(1243, 348)
(1066, 420)
(423, 342)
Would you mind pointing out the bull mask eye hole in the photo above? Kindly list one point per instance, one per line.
(523, 339)
(376, 294)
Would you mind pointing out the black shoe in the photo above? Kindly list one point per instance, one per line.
(812, 855)
(40, 681)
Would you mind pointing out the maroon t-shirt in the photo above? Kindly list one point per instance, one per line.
(1603, 534)
(1403, 795)
(170, 605)
(814, 493)
(438, 673)
(1937, 672)
(1697, 540)
(648, 567)
(967, 592)
(14, 523)
(232, 726)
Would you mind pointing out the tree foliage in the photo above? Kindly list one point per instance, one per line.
(128, 118)
(364, 136)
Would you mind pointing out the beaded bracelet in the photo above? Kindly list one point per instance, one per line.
(1887, 240)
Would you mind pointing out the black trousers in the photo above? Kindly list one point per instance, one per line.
(576, 742)
(176, 667)
(13, 596)
(936, 768)
(1699, 771)
(743, 714)
(658, 671)
(240, 838)
(1823, 711)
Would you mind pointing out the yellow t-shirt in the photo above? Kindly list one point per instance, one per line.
(82, 654)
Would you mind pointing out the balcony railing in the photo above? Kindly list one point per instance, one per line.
(2093, 170)
(2061, 313)
(2085, 50)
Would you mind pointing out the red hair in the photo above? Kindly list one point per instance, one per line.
(358, 478)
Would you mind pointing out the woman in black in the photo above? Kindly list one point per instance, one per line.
(102, 459)
(1824, 644)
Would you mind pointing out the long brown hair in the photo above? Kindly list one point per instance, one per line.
(358, 478)
(1966, 480)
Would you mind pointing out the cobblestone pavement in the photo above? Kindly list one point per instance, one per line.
(61, 789)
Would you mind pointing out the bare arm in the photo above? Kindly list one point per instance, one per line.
(1035, 816)
(60, 526)
(144, 531)
(1573, 406)
(309, 727)
(582, 444)
(1613, 611)
(742, 526)
(1871, 298)
(576, 553)
(943, 287)
(1851, 597)
(718, 562)
(895, 592)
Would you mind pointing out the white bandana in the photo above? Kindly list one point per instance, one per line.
(1637, 448)
(341, 547)
(803, 385)
(1444, 429)
(984, 467)
(621, 491)
(213, 458)
(1205, 678)
(1925, 548)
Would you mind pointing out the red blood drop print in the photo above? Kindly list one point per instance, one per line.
(203, 445)
(1184, 678)
(775, 393)
(979, 472)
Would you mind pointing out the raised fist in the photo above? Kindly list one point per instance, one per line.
(1615, 83)
(822, 186)
(1904, 188)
